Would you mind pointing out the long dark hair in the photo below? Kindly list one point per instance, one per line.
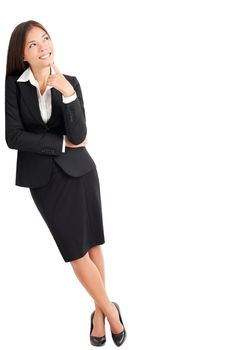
(15, 64)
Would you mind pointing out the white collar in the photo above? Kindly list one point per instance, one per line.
(28, 75)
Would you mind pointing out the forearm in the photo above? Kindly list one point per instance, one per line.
(74, 120)
(43, 143)
(74, 115)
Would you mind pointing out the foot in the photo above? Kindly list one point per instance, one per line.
(98, 324)
(115, 324)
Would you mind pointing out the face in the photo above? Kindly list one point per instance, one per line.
(39, 51)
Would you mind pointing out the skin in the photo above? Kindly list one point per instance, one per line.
(39, 53)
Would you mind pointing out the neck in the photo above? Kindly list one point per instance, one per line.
(41, 75)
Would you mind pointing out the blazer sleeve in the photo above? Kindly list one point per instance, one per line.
(46, 143)
(74, 116)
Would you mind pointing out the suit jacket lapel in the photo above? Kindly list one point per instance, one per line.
(56, 103)
(29, 95)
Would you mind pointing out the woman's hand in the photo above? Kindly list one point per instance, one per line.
(68, 143)
(60, 83)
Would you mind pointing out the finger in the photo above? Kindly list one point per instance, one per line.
(55, 68)
(49, 81)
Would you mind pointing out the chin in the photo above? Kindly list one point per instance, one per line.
(46, 63)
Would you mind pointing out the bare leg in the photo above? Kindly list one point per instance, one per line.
(96, 256)
(89, 276)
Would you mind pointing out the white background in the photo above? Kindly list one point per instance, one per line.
(155, 77)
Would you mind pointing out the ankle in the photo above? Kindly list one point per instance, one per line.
(99, 312)
(113, 314)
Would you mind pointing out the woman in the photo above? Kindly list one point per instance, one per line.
(46, 123)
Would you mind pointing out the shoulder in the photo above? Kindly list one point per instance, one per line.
(71, 78)
(12, 78)
(11, 84)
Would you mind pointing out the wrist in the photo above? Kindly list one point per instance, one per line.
(68, 93)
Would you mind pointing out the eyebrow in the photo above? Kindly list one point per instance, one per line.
(33, 41)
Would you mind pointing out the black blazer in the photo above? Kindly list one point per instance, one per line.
(39, 143)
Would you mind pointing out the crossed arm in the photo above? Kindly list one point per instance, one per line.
(45, 142)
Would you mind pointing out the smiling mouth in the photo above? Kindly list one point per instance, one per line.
(45, 56)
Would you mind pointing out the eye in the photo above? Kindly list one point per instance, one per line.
(46, 38)
(32, 45)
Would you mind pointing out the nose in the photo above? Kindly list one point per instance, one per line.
(42, 46)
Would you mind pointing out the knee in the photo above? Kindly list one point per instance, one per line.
(80, 261)
(94, 250)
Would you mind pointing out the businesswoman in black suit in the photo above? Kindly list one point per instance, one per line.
(46, 123)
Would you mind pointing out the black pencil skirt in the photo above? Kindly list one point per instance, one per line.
(71, 208)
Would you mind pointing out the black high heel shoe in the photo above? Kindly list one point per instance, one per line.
(119, 338)
(96, 341)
